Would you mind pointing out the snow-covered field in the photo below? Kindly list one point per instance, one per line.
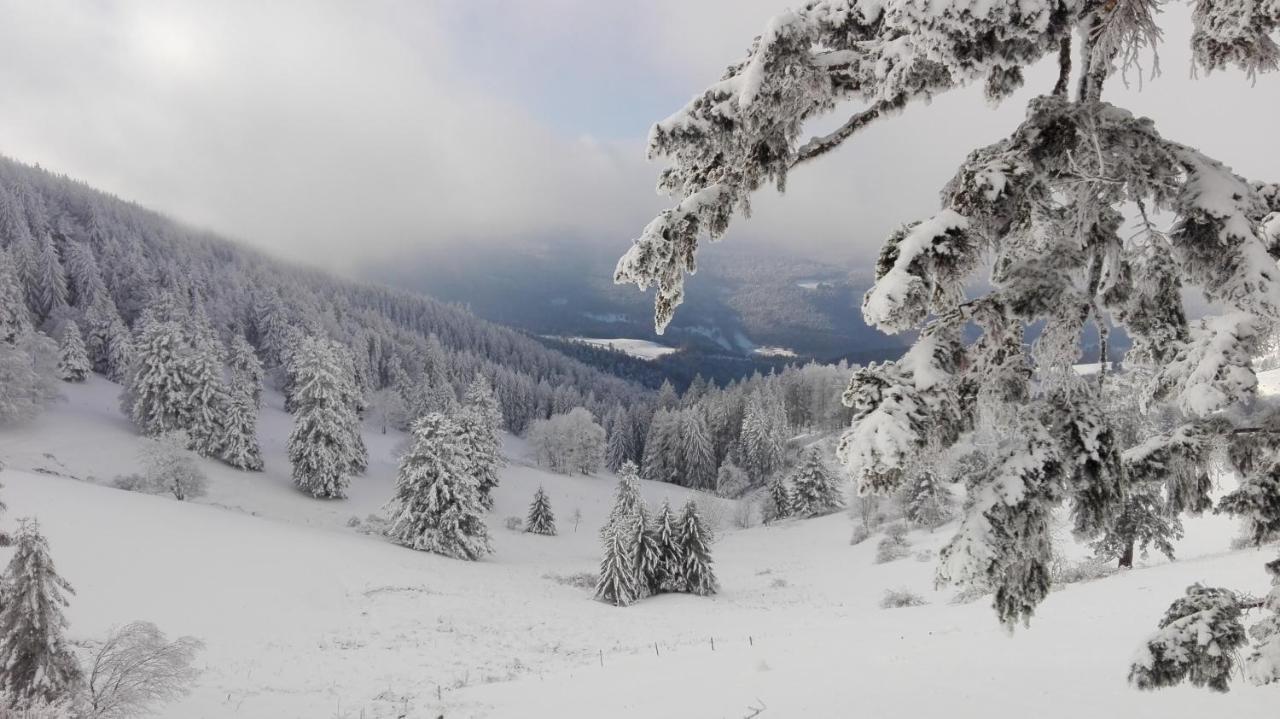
(305, 617)
(642, 349)
(774, 352)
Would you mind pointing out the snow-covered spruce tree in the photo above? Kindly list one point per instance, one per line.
(1144, 522)
(764, 434)
(43, 276)
(246, 369)
(14, 317)
(666, 536)
(696, 574)
(620, 447)
(815, 491)
(320, 446)
(779, 499)
(927, 502)
(36, 660)
(699, 458)
(73, 360)
(238, 446)
(628, 527)
(541, 519)
(480, 421)
(437, 507)
(1042, 208)
(102, 325)
(618, 584)
(28, 376)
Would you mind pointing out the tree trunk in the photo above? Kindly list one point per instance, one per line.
(1126, 559)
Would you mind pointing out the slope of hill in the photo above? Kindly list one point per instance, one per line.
(303, 616)
(62, 232)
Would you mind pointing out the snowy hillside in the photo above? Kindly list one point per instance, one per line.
(640, 349)
(305, 617)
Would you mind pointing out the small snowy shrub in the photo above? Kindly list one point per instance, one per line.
(894, 545)
(373, 524)
(580, 580)
(970, 593)
(924, 556)
(779, 583)
(860, 534)
(514, 524)
(744, 514)
(898, 598)
(170, 467)
(1064, 572)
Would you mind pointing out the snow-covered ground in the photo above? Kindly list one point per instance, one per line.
(642, 349)
(305, 617)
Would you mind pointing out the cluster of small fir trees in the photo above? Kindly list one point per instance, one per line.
(643, 556)
(1044, 210)
(176, 383)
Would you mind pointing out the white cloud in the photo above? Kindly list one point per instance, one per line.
(354, 131)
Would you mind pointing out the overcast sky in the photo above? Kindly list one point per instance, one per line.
(349, 131)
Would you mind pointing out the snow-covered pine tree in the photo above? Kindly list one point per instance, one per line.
(238, 445)
(764, 434)
(14, 317)
(666, 535)
(204, 405)
(320, 446)
(246, 369)
(82, 269)
(73, 360)
(927, 501)
(120, 354)
(44, 277)
(627, 502)
(36, 660)
(482, 400)
(629, 523)
(1042, 208)
(101, 321)
(1144, 522)
(780, 501)
(662, 448)
(437, 507)
(699, 458)
(620, 447)
(541, 519)
(815, 491)
(618, 584)
(158, 385)
(480, 421)
(696, 574)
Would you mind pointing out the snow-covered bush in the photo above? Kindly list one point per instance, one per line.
(137, 667)
(579, 580)
(169, 468)
(514, 524)
(1062, 571)
(898, 598)
(568, 443)
(894, 545)
(860, 534)
(745, 514)
(28, 376)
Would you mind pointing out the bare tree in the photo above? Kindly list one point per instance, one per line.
(138, 667)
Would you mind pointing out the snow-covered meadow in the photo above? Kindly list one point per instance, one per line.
(304, 616)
